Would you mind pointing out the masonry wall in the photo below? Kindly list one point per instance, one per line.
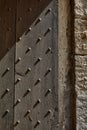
(81, 63)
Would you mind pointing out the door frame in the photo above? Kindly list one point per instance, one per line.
(66, 66)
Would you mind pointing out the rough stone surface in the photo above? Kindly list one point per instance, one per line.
(81, 63)
(81, 26)
(81, 89)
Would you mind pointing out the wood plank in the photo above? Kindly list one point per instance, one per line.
(7, 25)
(7, 54)
(27, 12)
(45, 91)
(7, 91)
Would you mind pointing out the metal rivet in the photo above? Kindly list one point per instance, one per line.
(28, 49)
(17, 102)
(38, 40)
(39, 20)
(5, 71)
(38, 102)
(29, 29)
(18, 80)
(48, 30)
(17, 122)
(38, 81)
(48, 11)
(8, 49)
(9, 29)
(48, 71)
(9, 9)
(49, 112)
(19, 39)
(26, 114)
(29, 9)
(27, 92)
(38, 60)
(48, 91)
(20, 18)
(38, 123)
(28, 70)
(18, 60)
(48, 50)
(6, 91)
(6, 112)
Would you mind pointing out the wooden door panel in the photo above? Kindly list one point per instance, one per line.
(27, 12)
(7, 25)
(7, 90)
(36, 83)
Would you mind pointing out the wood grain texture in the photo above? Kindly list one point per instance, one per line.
(27, 12)
(49, 81)
(7, 91)
(7, 25)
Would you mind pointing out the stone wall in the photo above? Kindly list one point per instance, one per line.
(81, 63)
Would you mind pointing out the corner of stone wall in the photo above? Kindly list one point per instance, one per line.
(81, 63)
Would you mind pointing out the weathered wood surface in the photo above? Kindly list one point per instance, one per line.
(27, 12)
(61, 99)
(43, 41)
(7, 25)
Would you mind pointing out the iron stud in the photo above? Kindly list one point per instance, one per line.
(48, 30)
(47, 114)
(38, 123)
(27, 92)
(18, 80)
(38, 81)
(29, 9)
(38, 60)
(9, 29)
(17, 102)
(18, 60)
(28, 70)
(5, 71)
(8, 49)
(19, 39)
(9, 9)
(48, 50)
(29, 49)
(20, 18)
(37, 103)
(39, 20)
(29, 29)
(48, 71)
(48, 11)
(38, 40)
(6, 91)
(6, 112)
(28, 111)
(49, 91)
(17, 123)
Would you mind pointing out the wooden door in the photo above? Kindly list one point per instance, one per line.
(29, 65)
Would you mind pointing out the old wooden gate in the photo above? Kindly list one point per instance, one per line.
(28, 65)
